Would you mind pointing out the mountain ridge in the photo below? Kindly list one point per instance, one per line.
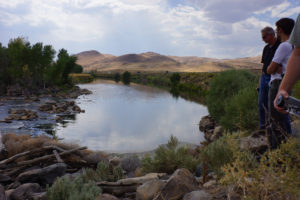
(93, 60)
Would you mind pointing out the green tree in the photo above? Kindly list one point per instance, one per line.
(4, 64)
(77, 69)
(175, 79)
(126, 77)
(117, 77)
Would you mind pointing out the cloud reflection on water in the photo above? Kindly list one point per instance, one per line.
(132, 118)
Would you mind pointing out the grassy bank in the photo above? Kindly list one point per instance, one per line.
(191, 86)
(81, 78)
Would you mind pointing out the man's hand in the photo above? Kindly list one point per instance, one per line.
(285, 95)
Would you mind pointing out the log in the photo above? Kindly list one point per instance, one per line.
(25, 153)
(28, 162)
(57, 157)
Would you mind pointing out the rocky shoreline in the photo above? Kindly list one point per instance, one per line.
(38, 114)
(28, 164)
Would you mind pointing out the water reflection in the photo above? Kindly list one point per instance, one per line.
(131, 118)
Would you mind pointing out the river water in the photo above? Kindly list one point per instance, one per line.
(133, 118)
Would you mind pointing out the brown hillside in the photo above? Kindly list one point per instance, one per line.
(150, 61)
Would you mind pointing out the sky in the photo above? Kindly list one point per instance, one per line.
(204, 28)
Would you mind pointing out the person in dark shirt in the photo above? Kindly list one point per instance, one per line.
(268, 36)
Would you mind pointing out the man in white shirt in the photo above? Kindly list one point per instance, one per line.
(293, 66)
(280, 126)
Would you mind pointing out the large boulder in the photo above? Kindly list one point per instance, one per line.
(25, 191)
(43, 176)
(149, 190)
(181, 182)
(197, 195)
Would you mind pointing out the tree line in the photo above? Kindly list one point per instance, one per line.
(34, 66)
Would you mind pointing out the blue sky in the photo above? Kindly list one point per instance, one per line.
(205, 28)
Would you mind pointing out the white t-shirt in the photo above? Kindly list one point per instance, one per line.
(281, 57)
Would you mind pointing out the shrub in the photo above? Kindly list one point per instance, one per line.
(225, 85)
(65, 189)
(241, 111)
(276, 176)
(216, 154)
(169, 158)
(103, 173)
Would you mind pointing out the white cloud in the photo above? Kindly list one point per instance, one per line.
(214, 28)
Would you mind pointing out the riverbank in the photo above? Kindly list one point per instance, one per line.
(191, 86)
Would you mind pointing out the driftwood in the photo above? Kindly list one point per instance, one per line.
(57, 157)
(43, 158)
(39, 150)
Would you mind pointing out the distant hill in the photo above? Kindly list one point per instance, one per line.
(150, 61)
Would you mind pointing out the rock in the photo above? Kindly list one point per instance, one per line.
(198, 170)
(43, 176)
(76, 108)
(39, 196)
(209, 183)
(197, 195)
(2, 193)
(25, 191)
(149, 190)
(106, 197)
(130, 163)
(4, 179)
(115, 161)
(180, 183)
(13, 185)
(217, 133)
(206, 123)
(255, 144)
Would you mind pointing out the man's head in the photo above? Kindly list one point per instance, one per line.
(268, 35)
(284, 26)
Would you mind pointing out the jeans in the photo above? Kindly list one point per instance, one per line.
(280, 126)
(263, 100)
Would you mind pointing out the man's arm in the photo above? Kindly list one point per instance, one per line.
(291, 76)
(273, 67)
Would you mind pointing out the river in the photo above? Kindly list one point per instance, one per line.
(134, 118)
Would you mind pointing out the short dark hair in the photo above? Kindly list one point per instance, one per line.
(286, 25)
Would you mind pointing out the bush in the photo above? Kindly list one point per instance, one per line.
(168, 159)
(276, 176)
(216, 154)
(103, 173)
(224, 86)
(65, 189)
(241, 111)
